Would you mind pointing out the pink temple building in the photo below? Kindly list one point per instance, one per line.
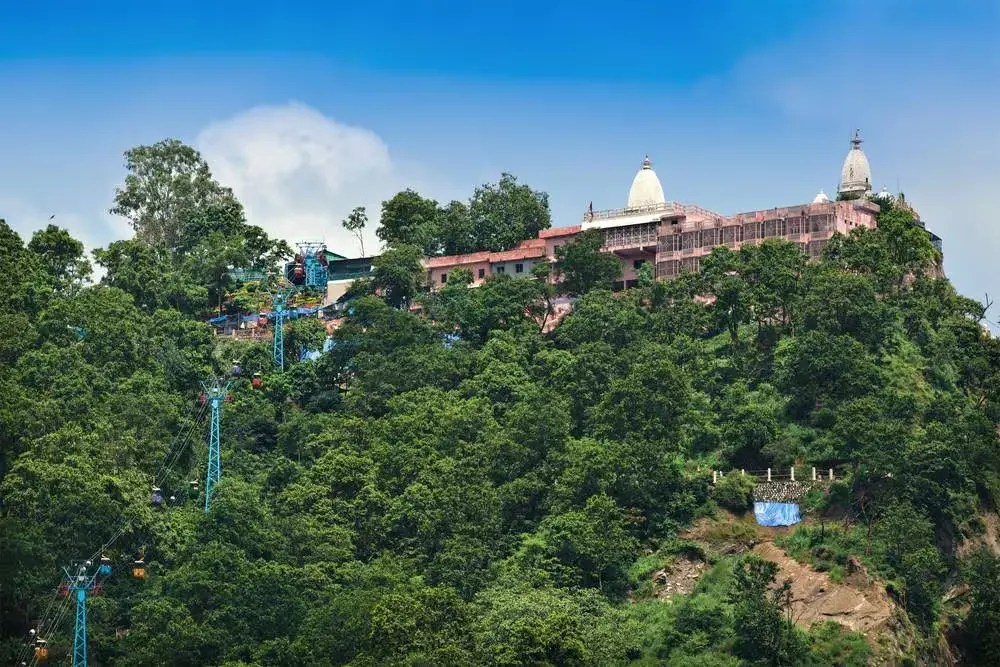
(675, 236)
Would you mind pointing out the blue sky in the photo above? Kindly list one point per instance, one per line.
(310, 109)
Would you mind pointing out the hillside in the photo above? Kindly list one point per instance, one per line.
(510, 496)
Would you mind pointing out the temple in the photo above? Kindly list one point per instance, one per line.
(675, 236)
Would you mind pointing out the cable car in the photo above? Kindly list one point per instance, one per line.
(157, 498)
(262, 320)
(105, 566)
(229, 398)
(202, 398)
(298, 259)
(64, 590)
(139, 569)
(41, 650)
(193, 490)
(236, 368)
(257, 381)
(299, 272)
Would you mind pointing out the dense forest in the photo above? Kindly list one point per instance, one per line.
(499, 498)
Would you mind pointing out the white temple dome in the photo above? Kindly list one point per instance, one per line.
(821, 198)
(883, 194)
(646, 189)
(856, 174)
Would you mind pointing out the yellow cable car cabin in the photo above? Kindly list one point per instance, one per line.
(139, 569)
(41, 650)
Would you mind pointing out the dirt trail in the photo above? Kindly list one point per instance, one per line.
(858, 603)
(864, 607)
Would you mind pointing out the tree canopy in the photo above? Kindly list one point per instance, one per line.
(458, 482)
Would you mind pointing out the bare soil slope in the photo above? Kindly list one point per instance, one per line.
(860, 605)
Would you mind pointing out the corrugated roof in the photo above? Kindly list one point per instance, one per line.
(455, 260)
(517, 253)
(559, 231)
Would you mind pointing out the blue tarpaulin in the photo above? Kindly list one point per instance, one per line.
(776, 514)
(313, 355)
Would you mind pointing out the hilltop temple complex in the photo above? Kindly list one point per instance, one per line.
(675, 236)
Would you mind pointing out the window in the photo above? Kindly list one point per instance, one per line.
(732, 235)
(501, 269)
(709, 238)
(482, 273)
(519, 268)
(638, 263)
(670, 243)
(444, 278)
(668, 268)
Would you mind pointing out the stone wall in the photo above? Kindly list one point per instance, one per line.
(784, 491)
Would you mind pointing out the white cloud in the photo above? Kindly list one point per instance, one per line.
(299, 173)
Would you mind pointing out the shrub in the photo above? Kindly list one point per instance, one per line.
(734, 492)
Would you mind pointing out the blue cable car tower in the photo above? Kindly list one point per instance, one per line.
(80, 584)
(279, 300)
(215, 394)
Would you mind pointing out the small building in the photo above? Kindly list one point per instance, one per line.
(342, 272)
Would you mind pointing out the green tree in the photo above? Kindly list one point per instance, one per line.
(167, 183)
(456, 230)
(398, 274)
(409, 219)
(764, 632)
(61, 256)
(982, 626)
(582, 266)
(504, 213)
(355, 223)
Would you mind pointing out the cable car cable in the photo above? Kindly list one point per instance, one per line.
(166, 467)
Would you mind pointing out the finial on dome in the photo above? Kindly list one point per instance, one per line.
(821, 198)
(856, 174)
(647, 163)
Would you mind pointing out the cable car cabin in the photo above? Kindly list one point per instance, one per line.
(157, 497)
(229, 398)
(202, 398)
(105, 566)
(139, 569)
(41, 650)
(257, 381)
(262, 320)
(236, 368)
(64, 590)
(298, 274)
(193, 490)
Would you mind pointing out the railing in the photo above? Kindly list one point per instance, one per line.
(254, 333)
(670, 206)
(781, 474)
